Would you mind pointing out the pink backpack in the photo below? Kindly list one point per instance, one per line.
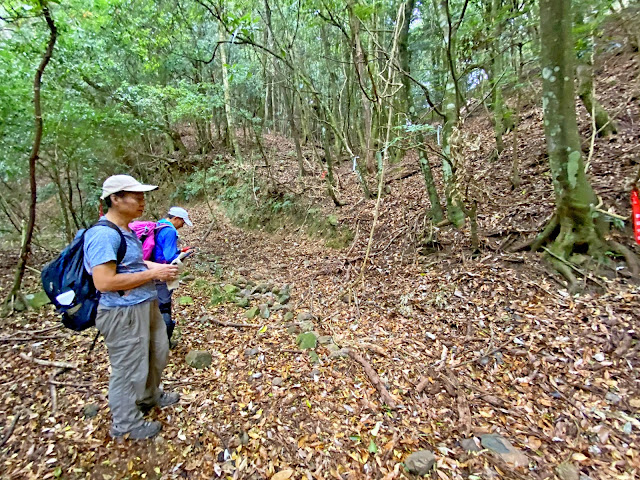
(146, 232)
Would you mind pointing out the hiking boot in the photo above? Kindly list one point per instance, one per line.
(146, 430)
(167, 399)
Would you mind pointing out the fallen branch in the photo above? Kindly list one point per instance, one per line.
(232, 324)
(373, 376)
(47, 363)
(29, 339)
(48, 329)
(16, 417)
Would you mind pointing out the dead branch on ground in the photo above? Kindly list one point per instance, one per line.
(374, 377)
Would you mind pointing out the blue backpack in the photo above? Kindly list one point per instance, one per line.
(70, 287)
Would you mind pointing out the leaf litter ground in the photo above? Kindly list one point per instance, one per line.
(464, 346)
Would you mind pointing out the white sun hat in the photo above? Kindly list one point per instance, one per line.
(123, 183)
(180, 213)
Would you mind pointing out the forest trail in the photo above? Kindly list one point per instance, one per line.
(464, 346)
(493, 347)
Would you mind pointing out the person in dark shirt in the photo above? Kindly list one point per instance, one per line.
(166, 251)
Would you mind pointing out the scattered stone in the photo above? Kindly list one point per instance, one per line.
(483, 361)
(420, 462)
(242, 302)
(307, 340)
(90, 410)
(306, 326)
(188, 278)
(256, 375)
(264, 311)
(277, 382)
(284, 298)
(293, 329)
(613, 398)
(470, 444)
(325, 339)
(339, 353)
(199, 358)
(503, 449)
(567, 471)
(288, 316)
(277, 307)
(250, 352)
(594, 450)
(332, 347)
(252, 312)
(240, 282)
(304, 316)
(261, 288)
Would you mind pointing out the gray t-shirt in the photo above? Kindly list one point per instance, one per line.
(101, 246)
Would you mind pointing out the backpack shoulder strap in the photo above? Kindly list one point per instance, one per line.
(122, 248)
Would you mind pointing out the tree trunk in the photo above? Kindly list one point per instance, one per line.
(33, 157)
(515, 161)
(497, 103)
(454, 204)
(359, 62)
(231, 134)
(604, 125)
(289, 100)
(574, 196)
(436, 208)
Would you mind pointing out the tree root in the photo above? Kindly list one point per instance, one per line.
(536, 242)
(566, 272)
(629, 256)
(545, 234)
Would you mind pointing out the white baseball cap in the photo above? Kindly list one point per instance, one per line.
(180, 213)
(123, 183)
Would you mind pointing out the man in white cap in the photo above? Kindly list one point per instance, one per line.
(128, 314)
(166, 251)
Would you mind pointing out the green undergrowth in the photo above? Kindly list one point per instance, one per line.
(251, 203)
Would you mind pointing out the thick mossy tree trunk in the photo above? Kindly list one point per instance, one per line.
(576, 228)
(604, 125)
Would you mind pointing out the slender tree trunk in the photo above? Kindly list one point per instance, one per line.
(231, 133)
(604, 125)
(33, 157)
(289, 105)
(359, 62)
(55, 176)
(515, 162)
(454, 203)
(436, 208)
(497, 103)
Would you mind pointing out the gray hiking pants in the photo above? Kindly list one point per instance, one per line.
(136, 338)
